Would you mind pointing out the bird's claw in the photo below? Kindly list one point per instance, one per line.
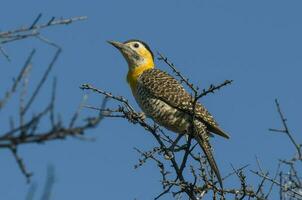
(141, 115)
(168, 155)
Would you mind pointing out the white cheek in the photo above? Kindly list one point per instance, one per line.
(142, 61)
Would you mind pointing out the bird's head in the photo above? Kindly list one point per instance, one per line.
(136, 52)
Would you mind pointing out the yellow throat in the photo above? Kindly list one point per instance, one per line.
(135, 72)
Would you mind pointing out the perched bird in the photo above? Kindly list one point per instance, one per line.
(163, 98)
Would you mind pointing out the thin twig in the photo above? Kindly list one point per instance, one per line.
(286, 129)
(42, 81)
(41, 26)
(277, 183)
(20, 163)
(17, 80)
(5, 54)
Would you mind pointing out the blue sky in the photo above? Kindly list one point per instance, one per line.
(257, 44)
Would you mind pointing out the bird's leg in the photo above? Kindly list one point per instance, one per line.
(172, 147)
(179, 148)
(187, 138)
(141, 115)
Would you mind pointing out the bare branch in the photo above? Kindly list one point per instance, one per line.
(213, 88)
(172, 158)
(33, 29)
(42, 81)
(286, 129)
(4, 53)
(277, 183)
(20, 163)
(18, 80)
(26, 132)
(183, 79)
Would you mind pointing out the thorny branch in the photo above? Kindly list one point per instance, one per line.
(173, 155)
(286, 130)
(26, 131)
(185, 80)
(32, 30)
(194, 184)
(287, 177)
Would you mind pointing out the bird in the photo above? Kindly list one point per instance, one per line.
(163, 99)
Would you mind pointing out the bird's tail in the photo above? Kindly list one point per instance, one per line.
(203, 142)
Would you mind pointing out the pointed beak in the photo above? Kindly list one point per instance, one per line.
(127, 52)
(117, 45)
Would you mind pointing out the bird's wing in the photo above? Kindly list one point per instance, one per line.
(168, 89)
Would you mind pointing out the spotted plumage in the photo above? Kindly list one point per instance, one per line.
(164, 99)
(159, 85)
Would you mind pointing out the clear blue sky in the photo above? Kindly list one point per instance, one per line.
(256, 43)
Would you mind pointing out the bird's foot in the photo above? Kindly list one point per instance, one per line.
(168, 155)
(141, 115)
(180, 148)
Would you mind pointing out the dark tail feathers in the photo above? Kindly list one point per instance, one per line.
(205, 145)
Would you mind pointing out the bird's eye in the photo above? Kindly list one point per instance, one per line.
(136, 45)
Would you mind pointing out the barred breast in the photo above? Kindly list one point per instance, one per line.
(162, 113)
(164, 99)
